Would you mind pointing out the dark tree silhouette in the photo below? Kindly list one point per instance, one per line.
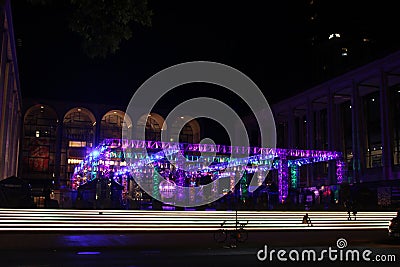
(104, 24)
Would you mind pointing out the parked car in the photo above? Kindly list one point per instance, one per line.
(394, 226)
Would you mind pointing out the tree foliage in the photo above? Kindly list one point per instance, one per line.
(104, 24)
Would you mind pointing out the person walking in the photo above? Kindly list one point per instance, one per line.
(306, 220)
(348, 206)
(354, 210)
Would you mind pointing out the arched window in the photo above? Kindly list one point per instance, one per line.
(189, 133)
(186, 134)
(153, 129)
(39, 142)
(113, 124)
(153, 124)
(78, 140)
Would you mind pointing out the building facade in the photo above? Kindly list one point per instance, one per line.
(357, 114)
(338, 45)
(58, 135)
(10, 96)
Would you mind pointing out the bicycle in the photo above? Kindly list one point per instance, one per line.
(238, 234)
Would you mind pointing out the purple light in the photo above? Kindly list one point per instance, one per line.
(283, 179)
(263, 159)
(95, 153)
(339, 171)
(88, 253)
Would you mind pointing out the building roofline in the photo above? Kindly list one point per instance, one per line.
(359, 74)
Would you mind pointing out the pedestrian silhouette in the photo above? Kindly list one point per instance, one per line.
(354, 210)
(306, 220)
(349, 209)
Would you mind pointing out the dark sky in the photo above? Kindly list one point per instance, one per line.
(266, 40)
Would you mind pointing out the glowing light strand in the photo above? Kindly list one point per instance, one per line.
(99, 161)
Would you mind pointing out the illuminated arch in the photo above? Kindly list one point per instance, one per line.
(195, 130)
(154, 124)
(113, 123)
(39, 142)
(42, 109)
(79, 126)
(190, 133)
(79, 114)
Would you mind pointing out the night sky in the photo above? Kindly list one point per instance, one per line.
(266, 40)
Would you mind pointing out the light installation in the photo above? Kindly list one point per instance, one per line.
(294, 175)
(244, 187)
(123, 160)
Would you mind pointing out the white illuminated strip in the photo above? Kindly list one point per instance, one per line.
(139, 220)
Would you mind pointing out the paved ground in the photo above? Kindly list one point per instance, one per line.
(181, 248)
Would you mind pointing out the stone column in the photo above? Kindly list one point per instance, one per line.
(97, 132)
(357, 134)
(386, 129)
(57, 159)
(291, 128)
(318, 131)
(310, 125)
(310, 140)
(332, 131)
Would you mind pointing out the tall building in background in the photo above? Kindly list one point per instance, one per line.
(10, 96)
(342, 35)
(356, 113)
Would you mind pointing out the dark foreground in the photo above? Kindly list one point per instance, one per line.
(184, 249)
